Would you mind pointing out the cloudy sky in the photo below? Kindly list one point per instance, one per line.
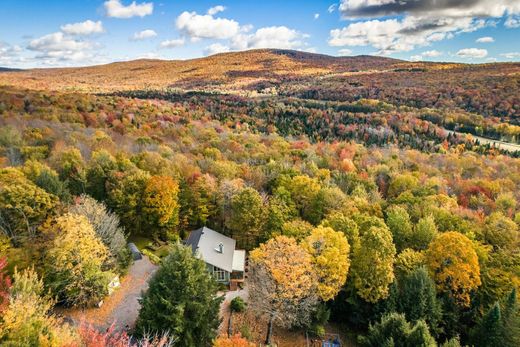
(71, 33)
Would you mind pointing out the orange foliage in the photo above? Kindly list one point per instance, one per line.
(233, 341)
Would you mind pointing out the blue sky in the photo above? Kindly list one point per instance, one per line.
(74, 33)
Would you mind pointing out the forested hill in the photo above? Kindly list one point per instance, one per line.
(487, 89)
(237, 69)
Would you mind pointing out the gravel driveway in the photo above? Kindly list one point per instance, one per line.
(122, 307)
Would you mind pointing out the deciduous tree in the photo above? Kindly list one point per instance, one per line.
(282, 283)
(23, 205)
(329, 250)
(453, 263)
(247, 217)
(107, 228)
(28, 320)
(372, 265)
(5, 285)
(74, 260)
(161, 207)
(399, 223)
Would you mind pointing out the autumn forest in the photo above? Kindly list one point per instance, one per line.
(377, 200)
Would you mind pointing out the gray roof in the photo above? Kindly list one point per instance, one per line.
(205, 243)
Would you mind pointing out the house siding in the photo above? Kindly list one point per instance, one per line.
(223, 277)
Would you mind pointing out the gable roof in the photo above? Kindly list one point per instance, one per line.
(205, 243)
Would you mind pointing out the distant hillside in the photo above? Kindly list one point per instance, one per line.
(220, 71)
(6, 69)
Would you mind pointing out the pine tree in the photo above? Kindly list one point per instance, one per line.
(511, 320)
(490, 330)
(417, 298)
(181, 300)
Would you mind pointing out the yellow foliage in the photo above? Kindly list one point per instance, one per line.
(289, 267)
(26, 321)
(329, 250)
(453, 263)
(74, 260)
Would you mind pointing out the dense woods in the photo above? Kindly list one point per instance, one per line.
(358, 209)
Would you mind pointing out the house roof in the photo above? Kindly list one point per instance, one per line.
(206, 244)
(239, 260)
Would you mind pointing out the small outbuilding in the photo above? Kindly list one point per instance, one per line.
(136, 254)
(223, 260)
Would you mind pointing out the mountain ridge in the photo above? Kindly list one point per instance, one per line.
(222, 72)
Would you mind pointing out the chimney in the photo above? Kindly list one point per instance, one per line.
(220, 248)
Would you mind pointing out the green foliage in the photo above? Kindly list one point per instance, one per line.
(501, 232)
(125, 196)
(74, 261)
(182, 299)
(372, 264)
(399, 223)
(339, 222)
(417, 299)
(247, 218)
(297, 229)
(490, 330)
(28, 321)
(23, 205)
(71, 167)
(107, 228)
(237, 304)
(394, 330)
(425, 231)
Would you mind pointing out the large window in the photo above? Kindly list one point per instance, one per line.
(219, 274)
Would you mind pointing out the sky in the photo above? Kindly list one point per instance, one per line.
(51, 33)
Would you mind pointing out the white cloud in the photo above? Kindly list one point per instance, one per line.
(270, 37)
(206, 26)
(57, 42)
(472, 53)
(316, 15)
(332, 8)
(394, 35)
(58, 48)
(214, 10)
(143, 35)
(431, 8)
(511, 55)
(114, 8)
(512, 22)
(431, 54)
(345, 51)
(216, 48)
(485, 39)
(427, 54)
(87, 27)
(172, 43)
(420, 22)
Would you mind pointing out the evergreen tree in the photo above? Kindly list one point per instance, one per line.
(511, 320)
(393, 330)
(490, 331)
(181, 300)
(417, 298)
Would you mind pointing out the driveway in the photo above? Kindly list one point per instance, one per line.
(224, 307)
(122, 307)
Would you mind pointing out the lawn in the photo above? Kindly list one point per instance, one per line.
(153, 249)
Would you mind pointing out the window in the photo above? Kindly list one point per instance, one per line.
(219, 274)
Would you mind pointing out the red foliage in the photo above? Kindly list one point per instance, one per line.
(91, 337)
(5, 284)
